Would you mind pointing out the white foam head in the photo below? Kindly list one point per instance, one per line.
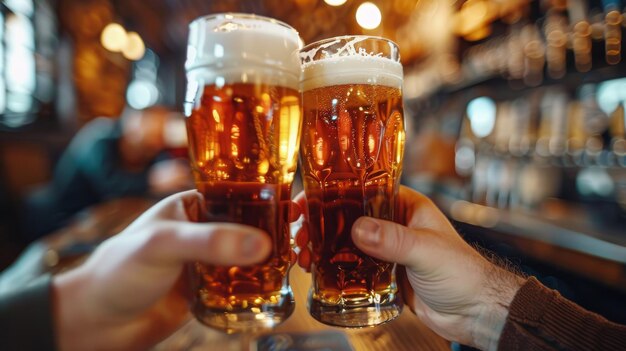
(341, 61)
(351, 70)
(242, 48)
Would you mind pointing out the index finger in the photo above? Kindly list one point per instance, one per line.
(184, 206)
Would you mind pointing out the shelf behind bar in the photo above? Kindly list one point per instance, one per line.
(608, 244)
(502, 88)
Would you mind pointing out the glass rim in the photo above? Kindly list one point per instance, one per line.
(241, 15)
(328, 40)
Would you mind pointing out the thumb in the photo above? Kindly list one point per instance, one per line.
(222, 244)
(387, 241)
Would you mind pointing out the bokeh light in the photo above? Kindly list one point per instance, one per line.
(142, 94)
(114, 37)
(368, 15)
(135, 48)
(482, 115)
(611, 94)
(335, 2)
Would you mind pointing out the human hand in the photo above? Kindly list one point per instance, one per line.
(129, 294)
(169, 176)
(454, 290)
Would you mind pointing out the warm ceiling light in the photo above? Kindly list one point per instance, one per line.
(135, 48)
(474, 16)
(368, 15)
(478, 34)
(335, 2)
(113, 37)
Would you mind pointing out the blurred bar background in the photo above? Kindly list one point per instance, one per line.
(515, 111)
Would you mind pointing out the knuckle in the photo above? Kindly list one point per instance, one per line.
(396, 239)
(158, 235)
(403, 240)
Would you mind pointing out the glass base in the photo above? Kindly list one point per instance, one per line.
(342, 315)
(250, 320)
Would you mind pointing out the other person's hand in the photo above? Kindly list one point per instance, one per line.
(130, 293)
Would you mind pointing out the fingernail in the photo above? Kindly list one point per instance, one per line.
(368, 231)
(250, 245)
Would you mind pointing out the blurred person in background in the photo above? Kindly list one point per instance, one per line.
(108, 159)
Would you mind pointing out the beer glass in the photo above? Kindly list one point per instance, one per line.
(351, 154)
(243, 124)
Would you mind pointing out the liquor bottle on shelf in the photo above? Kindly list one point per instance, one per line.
(521, 143)
(618, 135)
(474, 149)
(465, 150)
(555, 31)
(595, 125)
(508, 146)
(613, 31)
(618, 149)
(581, 28)
(539, 178)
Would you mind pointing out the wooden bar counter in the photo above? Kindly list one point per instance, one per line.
(404, 333)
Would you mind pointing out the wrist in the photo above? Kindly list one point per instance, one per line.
(70, 313)
(500, 287)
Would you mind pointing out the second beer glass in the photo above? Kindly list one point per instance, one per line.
(243, 123)
(351, 154)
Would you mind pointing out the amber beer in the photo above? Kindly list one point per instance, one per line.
(243, 124)
(352, 148)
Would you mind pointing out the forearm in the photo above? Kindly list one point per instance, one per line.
(78, 323)
(70, 312)
(540, 318)
(501, 287)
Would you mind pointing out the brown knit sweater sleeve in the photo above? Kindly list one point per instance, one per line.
(541, 319)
